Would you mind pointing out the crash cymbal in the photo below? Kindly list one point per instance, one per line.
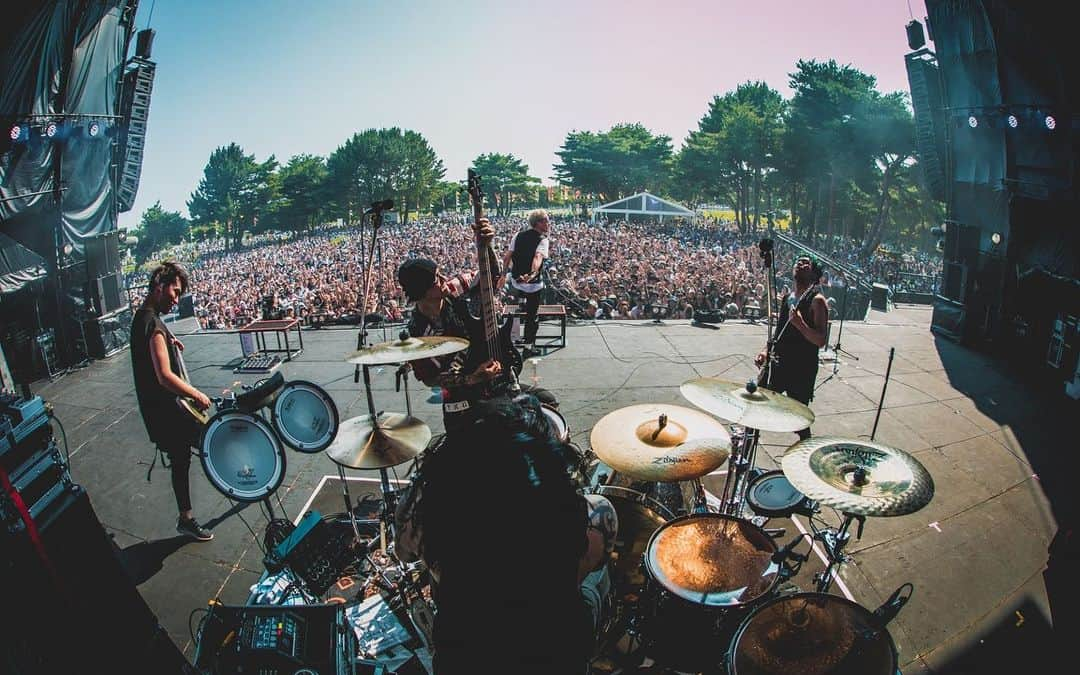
(747, 404)
(812, 633)
(859, 477)
(660, 442)
(407, 349)
(394, 439)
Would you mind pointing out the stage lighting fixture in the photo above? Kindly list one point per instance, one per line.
(996, 238)
(51, 129)
(68, 248)
(15, 133)
(1050, 122)
(973, 121)
(1013, 122)
(93, 129)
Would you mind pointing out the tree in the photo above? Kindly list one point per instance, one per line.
(302, 193)
(233, 193)
(505, 177)
(379, 164)
(616, 163)
(157, 229)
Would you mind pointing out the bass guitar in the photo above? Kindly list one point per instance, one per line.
(487, 339)
(187, 405)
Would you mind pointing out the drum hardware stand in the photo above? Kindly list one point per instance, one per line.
(741, 465)
(837, 349)
(881, 401)
(835, 541)
(402, 373)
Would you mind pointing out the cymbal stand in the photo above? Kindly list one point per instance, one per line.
(834, 541)
(744, 452)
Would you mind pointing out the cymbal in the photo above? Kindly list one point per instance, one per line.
(394, 439)
(757, 409)
(407, 349)
(660, 442)
(859, 477)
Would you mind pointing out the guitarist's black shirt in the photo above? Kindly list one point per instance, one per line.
(793, 351)
(160, 413)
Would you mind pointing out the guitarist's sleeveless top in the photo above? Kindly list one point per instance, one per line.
(162, 417)
(793, 351)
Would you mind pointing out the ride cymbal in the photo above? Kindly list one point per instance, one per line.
(407, 349)
(660, 442)
(859, 477)
(394, 438)
(747, 405)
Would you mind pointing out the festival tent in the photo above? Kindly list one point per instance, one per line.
(643, 204)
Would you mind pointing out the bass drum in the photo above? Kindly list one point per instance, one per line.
(305, 417)
(241, 456)
(812, 633)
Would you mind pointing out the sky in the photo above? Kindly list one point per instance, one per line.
(284, 77)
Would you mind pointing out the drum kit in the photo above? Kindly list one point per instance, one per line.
(699, 583)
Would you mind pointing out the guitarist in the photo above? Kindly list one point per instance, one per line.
(441, 308)
(802, 326)
(155, 363)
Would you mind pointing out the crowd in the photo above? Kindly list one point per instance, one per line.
(607, 270)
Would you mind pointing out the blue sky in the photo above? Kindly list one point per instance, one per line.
(284, 77)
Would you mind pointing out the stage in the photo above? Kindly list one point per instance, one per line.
(975, 554)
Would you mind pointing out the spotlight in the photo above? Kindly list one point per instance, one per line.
(1050, 122)
(996, 238)
(973, 121)
(68, 248)
(1013, 122)
(51, 129)
(15, 133)
(93, 129)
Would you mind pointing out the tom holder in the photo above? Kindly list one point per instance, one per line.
(834, 540)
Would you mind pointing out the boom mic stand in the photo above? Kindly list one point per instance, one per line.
(376, 213)
(837, 349)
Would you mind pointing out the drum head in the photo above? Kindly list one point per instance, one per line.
(812, 633)
(713, 559)
(305, 416)
(772, 494)
(241, 456)
(557, 422)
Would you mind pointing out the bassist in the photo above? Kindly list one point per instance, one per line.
(156, 365)
(802, 326)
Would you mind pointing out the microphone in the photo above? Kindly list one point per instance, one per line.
(379, 206)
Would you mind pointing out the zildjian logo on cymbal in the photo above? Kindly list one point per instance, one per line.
(668, 459)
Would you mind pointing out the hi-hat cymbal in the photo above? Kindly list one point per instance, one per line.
(407, 349)
(660, 442)
(753, 407)
(394, 439)
(859, 477)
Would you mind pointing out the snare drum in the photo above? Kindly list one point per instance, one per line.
(705, 572)
(772, 495)
(305, 417)
(813, 633)
(242, 456)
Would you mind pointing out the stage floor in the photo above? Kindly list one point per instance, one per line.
(996, 449)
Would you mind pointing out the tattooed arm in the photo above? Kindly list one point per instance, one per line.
(601, 530)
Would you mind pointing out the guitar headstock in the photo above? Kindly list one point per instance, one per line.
(476, 194)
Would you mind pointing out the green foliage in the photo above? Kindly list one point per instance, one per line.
(157, 229)
(381, 164)
(303, 194)
(505, 178)
(616, 163)
(234, 193)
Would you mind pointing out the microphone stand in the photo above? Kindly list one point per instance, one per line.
(837, 349)
(376, 222)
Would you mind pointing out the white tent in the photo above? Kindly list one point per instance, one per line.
(644, 204)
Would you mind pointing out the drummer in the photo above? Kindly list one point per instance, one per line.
(528, 593)
(441, 309)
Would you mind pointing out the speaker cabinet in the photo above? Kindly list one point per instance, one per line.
(879, 297)
(144, 43)
(103, 254)
(109, 334)
(186, 306)
(78, 611)
(109, 294)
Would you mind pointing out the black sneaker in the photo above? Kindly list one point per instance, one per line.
(193, 529)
